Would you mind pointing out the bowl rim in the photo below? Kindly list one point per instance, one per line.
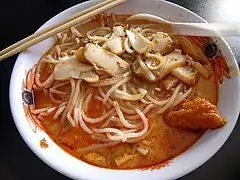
(57, 168)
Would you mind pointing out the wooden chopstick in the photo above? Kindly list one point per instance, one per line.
(55, 26)
(44, 34)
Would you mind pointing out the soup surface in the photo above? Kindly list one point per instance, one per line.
(104, 92)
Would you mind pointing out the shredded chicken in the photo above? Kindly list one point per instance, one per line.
(196, 114)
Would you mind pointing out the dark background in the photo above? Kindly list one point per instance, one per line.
(20, 18)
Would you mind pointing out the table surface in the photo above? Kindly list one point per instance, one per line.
(23, 17)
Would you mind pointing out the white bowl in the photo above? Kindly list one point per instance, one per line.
(200, 152)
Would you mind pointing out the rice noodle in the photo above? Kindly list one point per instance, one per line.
(145, 68)
(109, 130)
(72, 82)
(48, 112)
(110, 81)
(60, 85)
(87, 101)
(97, 38)
(80, 119)
(121, 116)
(98, 119)
(53, 99)
(130, 105)
(68, 50)
(130, 97)
(76, 106)
(75, 32)
(57, 91)
(182, 97)
(59, 35)
(102, 93)
(98, 146)
(134, 90)
(145, 111)
(107, 122)
(114, 87)
(46, 83)
(64, 37)
(70, 119)
(40, 117)
(65, 45)
(170, 101)
(132, 135)
(126, 110)
(157, 102)
(76, 92)
(99, 98)
(37, 111)
(58, 50)
(58, 112)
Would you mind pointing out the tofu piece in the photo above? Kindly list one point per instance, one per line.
(185, 74)
(120, 160)
(172, 61)
(96, 159)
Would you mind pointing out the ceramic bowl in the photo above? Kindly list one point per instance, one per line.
(195, 156)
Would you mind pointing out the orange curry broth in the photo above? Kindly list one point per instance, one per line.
(164, 142)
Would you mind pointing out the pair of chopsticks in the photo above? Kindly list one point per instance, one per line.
(50, 31)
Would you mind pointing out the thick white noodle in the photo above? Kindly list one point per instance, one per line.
(54, 91)
(87, 101)
(60, 85)
(53, 99)
(59, 111)
(182, 97)
(110, 81)
(126, 110)
(37, 111)
(121, 116)
(109, 130)
(48, 112)
(80, 119)
(99, 98)
(114, 87)
(98, 119)
(72, 82)
(171, 100)
(70, 119)
(76, 93)
(132, 135)
(145, 111)
(46, 83)
(157, 102)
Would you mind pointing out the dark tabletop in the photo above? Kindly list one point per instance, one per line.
(20, 18)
